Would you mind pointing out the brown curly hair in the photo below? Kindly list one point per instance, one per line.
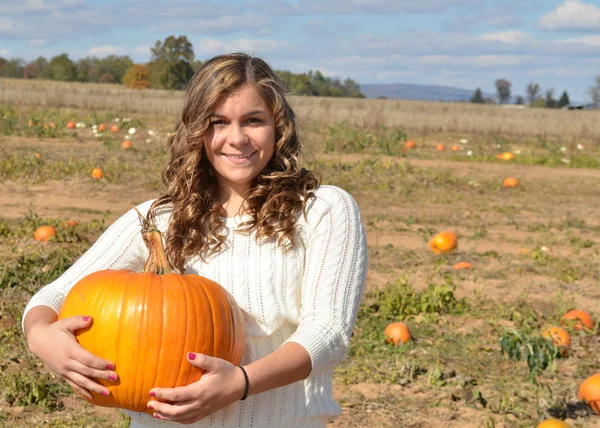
(276, 196)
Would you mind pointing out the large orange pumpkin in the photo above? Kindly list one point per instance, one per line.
(410, 145)
(44, 233)
(397, 332)
(443, 242)
(589, 391)
(560, 338)
(97, 173)
(146, 323)
(578, 319)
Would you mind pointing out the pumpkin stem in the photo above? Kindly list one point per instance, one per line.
(157, 262)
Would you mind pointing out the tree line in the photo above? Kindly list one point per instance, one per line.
(172, 64)
(535, 96)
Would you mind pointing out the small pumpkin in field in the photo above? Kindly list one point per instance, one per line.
(130, 310)
(455, 147)
(462, 265)
(410, 145)
(37, 156)
(443, 242)
(397, 332)
(114, 128)
(126, 144)
(71, 125)
(101, 127)
(97, 173)
(510, 182)
(553, 423)
(589, 392)
(71, 223)
(578, 319)
(44, 233)
(506, 156)
(440, 147)
(560, 338)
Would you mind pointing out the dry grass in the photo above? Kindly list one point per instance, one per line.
(419, 118)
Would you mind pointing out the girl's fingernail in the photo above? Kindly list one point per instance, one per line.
(191, 356)
(112, 377)
(150, 407)
(86, 318)
(152, 394)
(110, 366)
(156, 416)
(105, 393)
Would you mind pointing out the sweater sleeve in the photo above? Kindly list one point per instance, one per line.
(334, 278)
(120, 247)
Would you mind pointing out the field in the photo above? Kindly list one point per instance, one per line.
(533, 249)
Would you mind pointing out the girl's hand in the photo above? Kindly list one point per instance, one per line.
(221, 384)
(56, 345)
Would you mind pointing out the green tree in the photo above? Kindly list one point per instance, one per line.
(533, 92)
(594, 93)
(37, 69)
(503, 90)
(550, 101)
(171, 63)
(12, 67)
(519, 100)
(477, 97)
(62, 68)
(564, 100)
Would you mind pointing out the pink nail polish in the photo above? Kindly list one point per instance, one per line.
(105, 393)
(150, 407)
(112, 377)
(191, 356)
(152, 394)
(86, 318)
(110, 366)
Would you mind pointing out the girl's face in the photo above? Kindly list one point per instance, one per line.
(240, 139)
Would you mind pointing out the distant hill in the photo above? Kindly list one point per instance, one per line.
(408, 91)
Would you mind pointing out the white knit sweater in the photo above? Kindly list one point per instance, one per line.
(309, 295)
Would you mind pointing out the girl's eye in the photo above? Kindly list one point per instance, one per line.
(254, 120)
(217, 122)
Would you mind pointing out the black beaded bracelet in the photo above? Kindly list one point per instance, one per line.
(247, 383)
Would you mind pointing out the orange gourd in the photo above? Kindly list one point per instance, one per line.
(510, 182)
(146, 323)
(126, 144)
(101, 127)
(71, 125)
(462, 265)
(560, 338)
(44, 233)
(455, 148)
(443, 242)
(553, 423)
(506, 156)
(97, 173)
(410, 145)
(578, 319)
(114, 128)
(440, 147)
(71, 223)
(397, 332)
(589, 392)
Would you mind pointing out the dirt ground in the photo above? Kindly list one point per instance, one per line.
(561, 192)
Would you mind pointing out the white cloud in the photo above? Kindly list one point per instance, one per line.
(101, 51)
(477, 61)
(511, 37)
(251, 46)
(38, 42)
(592, 41)
(4, 53)
(573, 15)
(142, 49)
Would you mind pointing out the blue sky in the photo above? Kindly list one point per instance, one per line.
(462, 43)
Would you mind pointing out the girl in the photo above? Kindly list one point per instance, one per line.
(238, 210)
